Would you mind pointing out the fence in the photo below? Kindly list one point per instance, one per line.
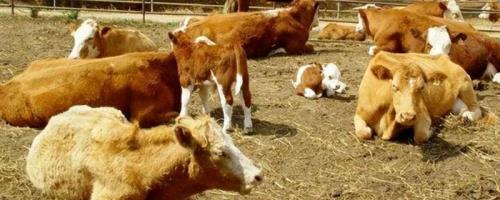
(323, 8)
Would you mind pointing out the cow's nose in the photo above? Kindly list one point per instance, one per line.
(258, 179)
(408, 116)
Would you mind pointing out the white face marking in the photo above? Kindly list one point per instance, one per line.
(226, 108)
(411, 82)
(237, 162)
(485, 14)
(205, 40)
(185, 97)
(439, 39)
(331, 79)
(300, 73)
(360, 26)
(371, 50)
(453, 10)
(85, 32)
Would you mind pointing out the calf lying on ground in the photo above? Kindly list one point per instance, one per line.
(260, 33)
(144, 86)
(95, 153)
(402, 91)
(93, 41)
(313, 80)
(336, 31)
(202, 63)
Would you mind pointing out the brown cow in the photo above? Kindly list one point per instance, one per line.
(202, 64)
(436, 9)
(94, 153)
(261, 32)
(144, 86)
(402, 31)
(336, 31)
(401, 91)
(93, 41)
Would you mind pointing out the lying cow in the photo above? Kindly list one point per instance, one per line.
(93, 41)
(261, 32)
(336, 31)
(202, 64)
(314, 79)
(490, 6)
(401, 31)
(144, 86)
(95, 153)
(401, 91)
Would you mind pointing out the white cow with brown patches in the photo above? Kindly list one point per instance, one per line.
(93, 41)
(96, 154)
(314, 80)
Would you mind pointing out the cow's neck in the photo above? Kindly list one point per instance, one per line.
(372, 21)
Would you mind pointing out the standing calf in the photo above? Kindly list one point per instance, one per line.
(203, 63)
(95, 153)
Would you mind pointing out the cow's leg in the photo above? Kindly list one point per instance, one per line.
(204, 99)
(298, 47)
(226, 101)
(468, 96)
(246, 103)
(185, 97)
(422, 129)
(389, 128)
(361, 129)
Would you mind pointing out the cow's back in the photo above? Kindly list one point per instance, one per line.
(121, 41)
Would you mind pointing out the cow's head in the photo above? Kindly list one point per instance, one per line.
(485, 14)
(439, 38)
(361, 25)
(306, 11)
(453, 11)
(408, 84)
(85, 45)
(216, 162)
(331, 77)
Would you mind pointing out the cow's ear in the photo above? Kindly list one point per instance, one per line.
(105, 30)
(172, 37)
(381, 72)
(436, 77)
(443, 6)
(184, 137)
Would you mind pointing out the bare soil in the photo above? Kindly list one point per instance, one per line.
(306, 147)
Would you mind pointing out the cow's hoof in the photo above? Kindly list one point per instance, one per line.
(248, 130)
(365, 133)
(468, 116)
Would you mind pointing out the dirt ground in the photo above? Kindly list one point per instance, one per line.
(306, 147)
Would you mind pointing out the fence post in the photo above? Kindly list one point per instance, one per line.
(143, 11)
(54, 3)
(152, 5)
(338, 9)
(274, 5)
(12, 6)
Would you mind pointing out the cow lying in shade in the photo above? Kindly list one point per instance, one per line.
(336, 31)
(95, 153)
(261, 32)
(144, 86)
(202, 64)
(402, 91)
(93, 41)
(314, 80)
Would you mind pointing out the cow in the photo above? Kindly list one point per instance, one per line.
(144, 86)
(202, 63)
(312, 80)
(402, 31)
(409, 91)
(451, 10)
(490, 6)
(261, 32)
(336, 31)
(95, 153)
(94, 41)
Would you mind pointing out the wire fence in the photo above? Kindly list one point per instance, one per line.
(341, 7)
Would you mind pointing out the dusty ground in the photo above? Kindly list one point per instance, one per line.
(306, 148)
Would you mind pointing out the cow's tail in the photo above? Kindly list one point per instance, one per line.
(488, 117)
(241, 68)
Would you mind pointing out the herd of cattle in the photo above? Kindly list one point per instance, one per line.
(103, 107)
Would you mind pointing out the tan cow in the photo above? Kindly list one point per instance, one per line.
(261, 32)
(95, 153)
(401, 91)
(336, 31)
(402, 31)
(144, 86)
(93, 41)
(202, 64)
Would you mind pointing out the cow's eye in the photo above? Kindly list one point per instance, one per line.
(223, 154)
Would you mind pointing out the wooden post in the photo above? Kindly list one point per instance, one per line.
(12, 6)
(54, 3)
(338, 9)
(152, 3)
(274, 5)
(143, 11)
